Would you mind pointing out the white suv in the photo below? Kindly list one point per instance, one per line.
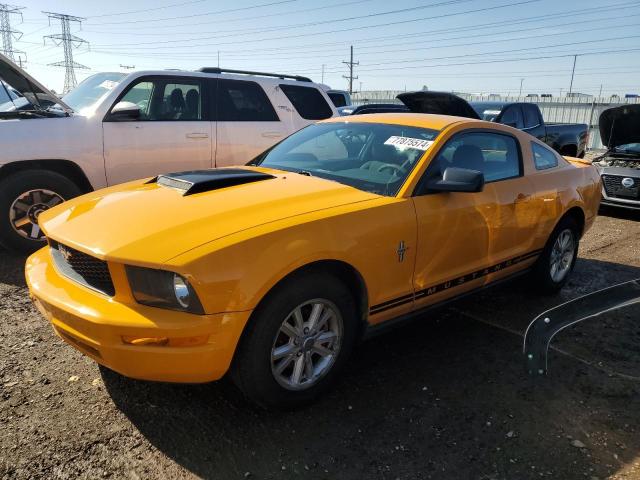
(114, 128)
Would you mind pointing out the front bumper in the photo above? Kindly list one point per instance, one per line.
(95, 324)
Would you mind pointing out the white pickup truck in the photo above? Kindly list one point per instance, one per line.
(114, 128)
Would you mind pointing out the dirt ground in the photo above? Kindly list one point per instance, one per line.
(444, 397)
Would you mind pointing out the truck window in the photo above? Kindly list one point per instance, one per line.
(308, 102)
(543, 157)
(243, 101)
(338, 99)
(512, 116)
(164, 99)
(531, 116)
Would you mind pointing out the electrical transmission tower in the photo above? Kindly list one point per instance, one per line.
(350, 77)
(8, 35)
(68, 42)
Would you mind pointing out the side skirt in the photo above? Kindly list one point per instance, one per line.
(375, 330)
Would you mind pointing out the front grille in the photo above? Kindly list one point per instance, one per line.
(614, 188)
(82, 268)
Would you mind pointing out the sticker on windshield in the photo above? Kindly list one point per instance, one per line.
(409, 142)
(108, 84)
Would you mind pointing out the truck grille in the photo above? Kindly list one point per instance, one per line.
(614, 188)
(82, 268)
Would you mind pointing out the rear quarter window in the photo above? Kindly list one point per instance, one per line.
(308, 102)
(543, 158)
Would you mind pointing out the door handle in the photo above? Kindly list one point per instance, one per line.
(271, 134)
(197, 135)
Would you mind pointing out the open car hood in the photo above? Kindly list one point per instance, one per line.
(36, 93)
(441, 103)
(620, 125)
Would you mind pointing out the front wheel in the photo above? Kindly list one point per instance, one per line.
(23, 197)
(296, 342)
(558, 257)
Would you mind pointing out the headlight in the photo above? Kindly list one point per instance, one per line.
(159, 288)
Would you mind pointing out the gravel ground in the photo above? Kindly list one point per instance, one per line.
(443, 397)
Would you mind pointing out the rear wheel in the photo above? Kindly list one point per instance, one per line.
(558, 257)
(23, 197)
(296, 342)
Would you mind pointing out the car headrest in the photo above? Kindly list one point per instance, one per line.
(468, 156)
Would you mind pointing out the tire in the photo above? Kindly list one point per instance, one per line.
(544, 277)
(254, 369)
(23, 196)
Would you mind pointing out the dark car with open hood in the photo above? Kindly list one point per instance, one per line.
(619, 167)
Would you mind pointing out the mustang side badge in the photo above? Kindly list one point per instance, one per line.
(401, 251)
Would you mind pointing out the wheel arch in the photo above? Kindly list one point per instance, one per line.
(67, 168)
(346, 272)
(577, 214)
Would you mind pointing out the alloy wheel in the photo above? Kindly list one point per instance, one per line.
(25, 210)
(562, 255)
(307, 344)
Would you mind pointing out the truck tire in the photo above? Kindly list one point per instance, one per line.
(556, 262)
(285, 359)
(23, 196)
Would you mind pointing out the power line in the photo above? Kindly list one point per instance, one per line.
(68, 42)
(350, 64)
(364, 27)
(226, 21)
(146, 9)
(217, 12)
(8, 35)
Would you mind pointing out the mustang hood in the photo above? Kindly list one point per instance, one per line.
(620, 125)
(441, 103)
(149, 222)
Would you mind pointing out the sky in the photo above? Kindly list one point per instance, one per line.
(473, 46)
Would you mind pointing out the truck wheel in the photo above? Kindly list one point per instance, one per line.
(296, 342)
(558, 257)
(23, 196)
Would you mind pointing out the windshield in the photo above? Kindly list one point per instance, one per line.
(372, 157)
(628, 148)
(91, 89)
(487, 111)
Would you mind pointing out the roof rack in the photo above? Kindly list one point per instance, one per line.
(248, 72)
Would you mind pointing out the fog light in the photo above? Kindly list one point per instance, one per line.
(166, 341)
(158, 341)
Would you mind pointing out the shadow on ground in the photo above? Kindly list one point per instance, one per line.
(12, 268)
(445, 396)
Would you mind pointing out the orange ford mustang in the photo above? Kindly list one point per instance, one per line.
(274, 270)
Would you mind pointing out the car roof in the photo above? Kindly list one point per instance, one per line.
(420, 120)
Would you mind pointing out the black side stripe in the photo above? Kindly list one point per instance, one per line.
(432, 290)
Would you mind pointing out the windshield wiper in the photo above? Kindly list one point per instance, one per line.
(305, 173)
(27, 113)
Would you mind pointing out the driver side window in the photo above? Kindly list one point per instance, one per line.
(141, 95)
(496, 155)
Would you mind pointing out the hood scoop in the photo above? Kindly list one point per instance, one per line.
(199, 181)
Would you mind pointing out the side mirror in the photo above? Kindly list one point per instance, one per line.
(123, 111)
(458, 180)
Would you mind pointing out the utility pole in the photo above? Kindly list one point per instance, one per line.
(68, 42)
(351, 64)
(521, 80)
(218, 58)
(8, 35)
(322, 81)
(575, 57)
